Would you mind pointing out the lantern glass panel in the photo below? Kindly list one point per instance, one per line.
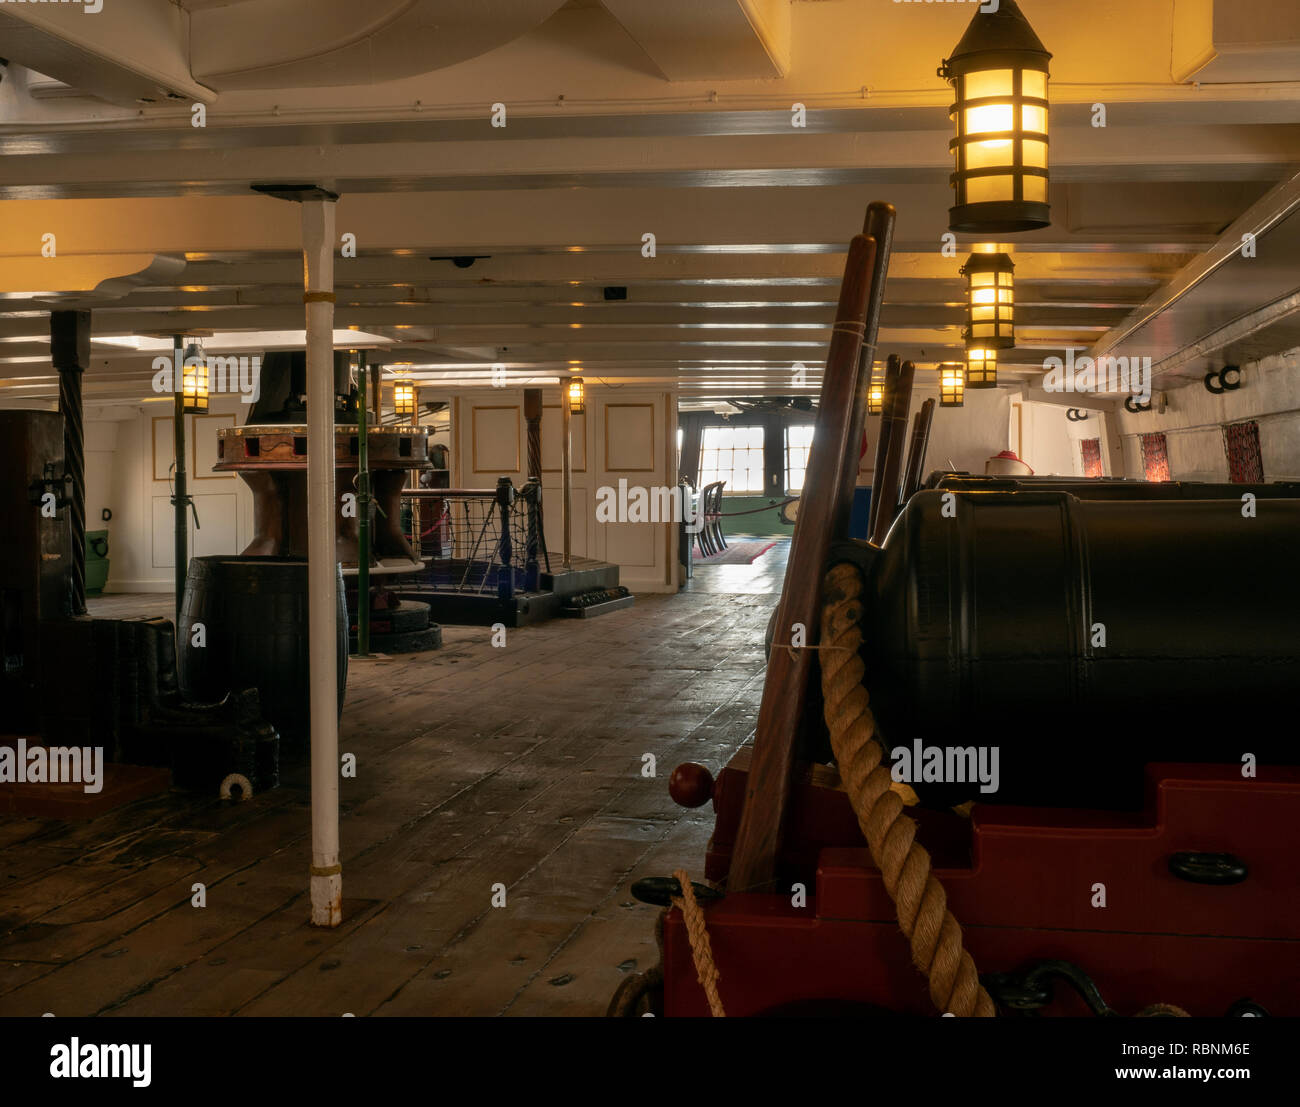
(981, 368)
(988, 82)
(576, 397)
(980, 190)
(991, 154)
(952, 385)
(875, 399)
(194, 386)
(404, 398)
(1033, 82)
(989, 119)
(1033, 118)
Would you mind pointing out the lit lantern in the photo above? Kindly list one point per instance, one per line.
(875, 396)
(577, 400)
(194, 381)
(999, 74)
(990, 301)
(404, 399)
(981, 367)
(952, 384)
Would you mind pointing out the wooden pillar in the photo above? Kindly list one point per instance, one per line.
(533, 417)
(70, 357)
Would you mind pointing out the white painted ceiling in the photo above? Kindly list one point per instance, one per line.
(618, 124)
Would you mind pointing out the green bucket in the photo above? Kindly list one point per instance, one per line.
(96, 561)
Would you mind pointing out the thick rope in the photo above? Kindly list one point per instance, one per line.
(701, 951)
(919, 898)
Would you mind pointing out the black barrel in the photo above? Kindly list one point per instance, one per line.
(1114, 488)
(983, 627)
(254, 612)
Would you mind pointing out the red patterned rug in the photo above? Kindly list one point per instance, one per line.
(738, 553)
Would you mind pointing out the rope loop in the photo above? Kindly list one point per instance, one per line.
(919, 898)
(701, 951)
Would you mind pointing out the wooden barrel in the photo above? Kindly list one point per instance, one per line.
(254, 616)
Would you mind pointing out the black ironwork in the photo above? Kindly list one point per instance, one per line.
(477, 541)
(70, 355)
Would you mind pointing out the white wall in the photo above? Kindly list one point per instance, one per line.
(960, 437)
(133, 480)
(1048, 442)
(626, 434)
(1269, 393)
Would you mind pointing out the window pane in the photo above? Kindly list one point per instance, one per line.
(733, 454)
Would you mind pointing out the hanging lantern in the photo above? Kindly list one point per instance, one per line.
(404, 399)
(194, 381)
(875, 395)
(990, 300)
(577, 400)
(999, 75)
(981, 367)
(952, 384)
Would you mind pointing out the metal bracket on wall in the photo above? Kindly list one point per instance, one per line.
(1227, 379)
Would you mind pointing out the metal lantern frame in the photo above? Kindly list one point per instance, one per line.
(405, 400)
(999, 73)
(952, 384)
(195, 386)
(990, 300)
(577, 395)
(981, 367)
(875, 396)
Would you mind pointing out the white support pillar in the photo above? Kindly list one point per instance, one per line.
(566, 470)
(322, 565)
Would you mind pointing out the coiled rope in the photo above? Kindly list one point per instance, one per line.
(919, 899)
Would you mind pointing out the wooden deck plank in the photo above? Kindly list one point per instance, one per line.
(475, 765)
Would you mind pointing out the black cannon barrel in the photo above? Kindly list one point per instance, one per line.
(1084, 638)
(1113, 488)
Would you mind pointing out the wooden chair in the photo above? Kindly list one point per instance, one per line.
(709, 535)
(713, 518)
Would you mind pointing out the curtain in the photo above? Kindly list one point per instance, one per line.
(692, 425)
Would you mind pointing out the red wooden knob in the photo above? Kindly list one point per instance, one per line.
(691, 785)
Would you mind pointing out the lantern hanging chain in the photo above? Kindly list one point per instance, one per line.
(701, 951)
(919, 899)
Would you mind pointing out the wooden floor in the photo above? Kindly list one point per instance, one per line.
(476, 766)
